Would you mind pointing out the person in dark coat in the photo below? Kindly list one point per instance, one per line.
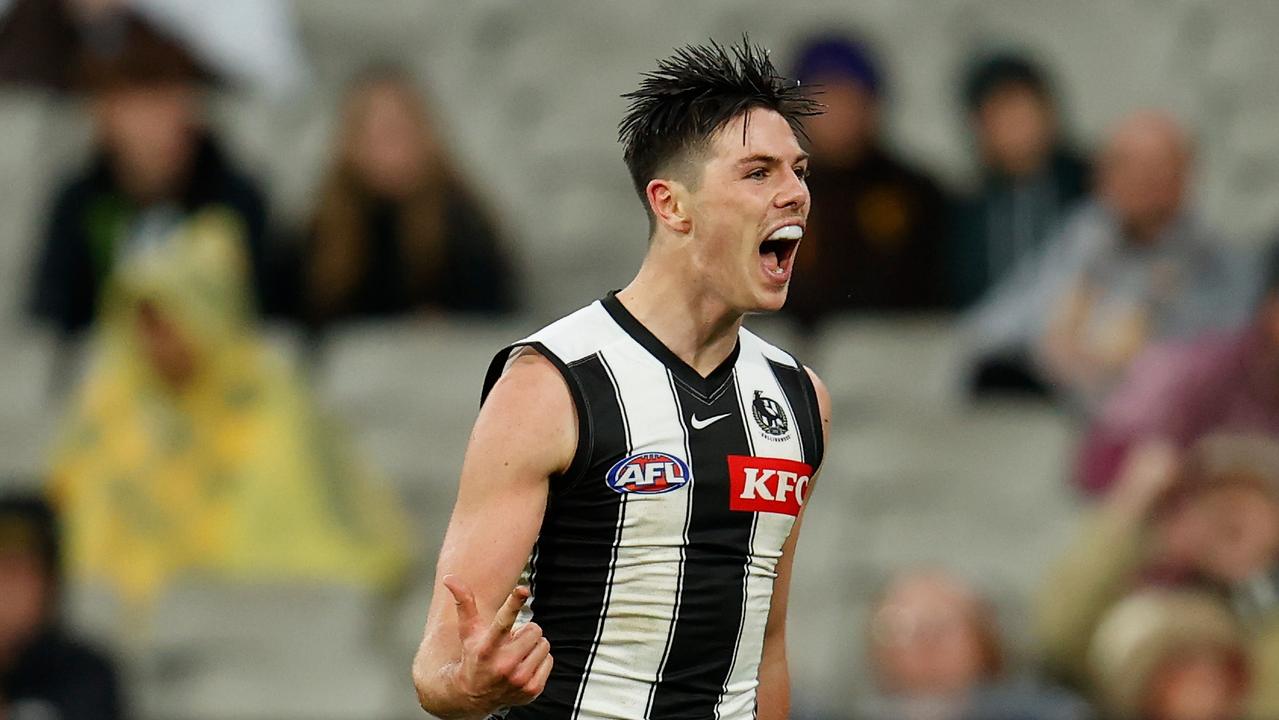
(1030, 177)
(875, 239)
(45, 672)
(156, 163)
(396, 229)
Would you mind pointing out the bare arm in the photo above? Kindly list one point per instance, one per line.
(1100, 564)
(470, 662)
(774, 673)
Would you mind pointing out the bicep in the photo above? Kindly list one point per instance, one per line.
(526, 432)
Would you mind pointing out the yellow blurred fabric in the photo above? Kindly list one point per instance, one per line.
(236, 474)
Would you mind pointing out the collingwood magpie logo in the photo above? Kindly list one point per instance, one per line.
(769, 415)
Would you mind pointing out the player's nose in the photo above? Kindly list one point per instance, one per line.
(794, 193)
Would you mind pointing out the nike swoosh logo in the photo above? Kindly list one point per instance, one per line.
(700, 424)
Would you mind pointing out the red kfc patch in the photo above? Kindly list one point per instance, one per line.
(765, 484)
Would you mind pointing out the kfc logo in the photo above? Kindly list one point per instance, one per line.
(763, 484)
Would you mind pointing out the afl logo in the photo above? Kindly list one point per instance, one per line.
(648, 474)
(769, 415)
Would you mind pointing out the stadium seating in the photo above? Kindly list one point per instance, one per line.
(527, 96)
(270, 651)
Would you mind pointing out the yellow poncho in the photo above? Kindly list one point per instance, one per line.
(235, 474)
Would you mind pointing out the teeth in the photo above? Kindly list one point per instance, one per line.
(788, 232)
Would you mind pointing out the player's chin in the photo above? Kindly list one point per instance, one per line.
(769, 297)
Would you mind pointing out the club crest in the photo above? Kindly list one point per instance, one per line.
(769, 415)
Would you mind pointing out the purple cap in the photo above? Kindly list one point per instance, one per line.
(841, 57)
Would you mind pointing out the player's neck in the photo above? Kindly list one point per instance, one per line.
(700, 329)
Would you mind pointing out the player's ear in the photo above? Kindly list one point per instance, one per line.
(669, 200)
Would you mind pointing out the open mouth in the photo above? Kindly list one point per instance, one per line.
(778, 250)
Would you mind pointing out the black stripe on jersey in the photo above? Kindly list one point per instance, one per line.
(801, 394)
(741, 626)
(617, 541)
(574, 577)
(582, 454)
(679, 582)
(706, 632)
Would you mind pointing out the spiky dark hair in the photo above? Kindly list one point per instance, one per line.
(694, 93)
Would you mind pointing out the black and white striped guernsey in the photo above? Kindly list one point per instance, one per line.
(653, 571)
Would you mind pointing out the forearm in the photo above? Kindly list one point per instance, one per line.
(773, 695)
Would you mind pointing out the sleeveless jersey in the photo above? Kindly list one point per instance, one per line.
(652, 574)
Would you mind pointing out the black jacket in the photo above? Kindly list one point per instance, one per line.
(474, 276)
(90, 220)
(55, 672)
(875, 240)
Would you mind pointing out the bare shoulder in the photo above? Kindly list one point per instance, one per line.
(531, 377)
(823, 400)
(530, 405)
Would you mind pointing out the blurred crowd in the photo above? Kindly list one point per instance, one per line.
(1079, 276)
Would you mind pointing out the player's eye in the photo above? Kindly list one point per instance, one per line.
(802, 172)
(757, 174)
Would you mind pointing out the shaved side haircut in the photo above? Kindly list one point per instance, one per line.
(694, 93)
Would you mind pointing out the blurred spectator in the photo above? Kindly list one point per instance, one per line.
(1170, 655)
(1209, 518)
(1131, 267)
(251, 41)
(195, 449)
(1182, 390)
(937, 654)
(1029, 178)
(1152, 273)
(44, 671)
(876, 232)
(396, 229)
(156, 163)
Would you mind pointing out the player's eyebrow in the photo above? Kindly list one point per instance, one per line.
(766, 159)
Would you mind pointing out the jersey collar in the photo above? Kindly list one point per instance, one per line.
(705, 386)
